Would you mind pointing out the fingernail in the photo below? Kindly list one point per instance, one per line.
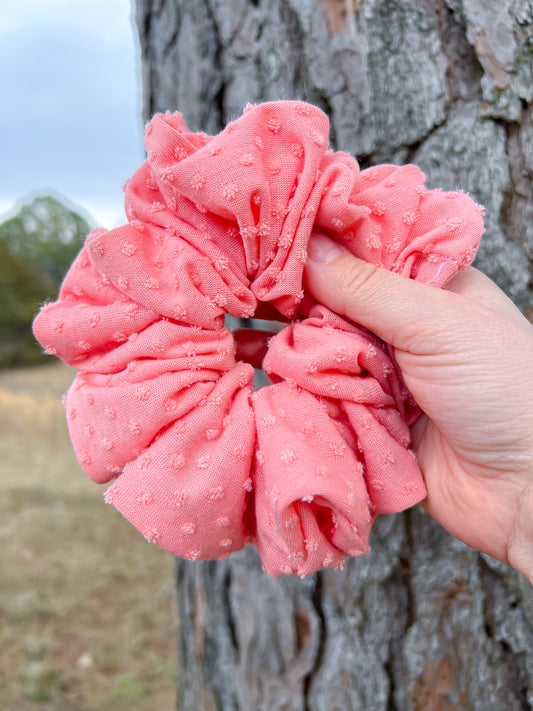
(322, 249)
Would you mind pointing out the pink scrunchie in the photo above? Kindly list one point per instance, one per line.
(204, 464)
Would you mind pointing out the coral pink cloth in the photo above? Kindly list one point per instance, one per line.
(203, 463)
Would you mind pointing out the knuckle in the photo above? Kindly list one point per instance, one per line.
(358, 279)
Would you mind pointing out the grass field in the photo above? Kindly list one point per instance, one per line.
(86, 604)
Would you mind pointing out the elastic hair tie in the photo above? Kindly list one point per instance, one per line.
(202, 463)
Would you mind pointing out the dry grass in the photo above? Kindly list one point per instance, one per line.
(86, 604)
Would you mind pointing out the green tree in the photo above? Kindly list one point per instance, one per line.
(37, 246)
(46, 236)
(21, 292)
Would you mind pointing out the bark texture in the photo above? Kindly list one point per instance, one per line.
(424, 623)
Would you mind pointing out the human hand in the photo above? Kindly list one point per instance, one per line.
(466, 355)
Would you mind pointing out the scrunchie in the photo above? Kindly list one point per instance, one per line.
(203, 463)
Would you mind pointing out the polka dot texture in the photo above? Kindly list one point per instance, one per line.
(203, 464)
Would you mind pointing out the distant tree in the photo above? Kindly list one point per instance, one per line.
(21, 292)
(46, 236)
(37, 246)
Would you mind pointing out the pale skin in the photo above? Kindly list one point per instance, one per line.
(466, 355)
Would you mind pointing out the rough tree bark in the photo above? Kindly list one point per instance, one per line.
(424, 622)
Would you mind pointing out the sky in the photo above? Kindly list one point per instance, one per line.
(70, 104)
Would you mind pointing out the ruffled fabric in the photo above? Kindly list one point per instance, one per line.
(202, 463)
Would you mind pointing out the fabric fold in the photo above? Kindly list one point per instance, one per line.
(187, 491)
(312, 505)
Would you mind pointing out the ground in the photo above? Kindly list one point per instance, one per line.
(87, 617)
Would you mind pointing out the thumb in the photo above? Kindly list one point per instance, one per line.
(401, 311)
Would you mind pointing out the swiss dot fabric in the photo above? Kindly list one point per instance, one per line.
(203, 464)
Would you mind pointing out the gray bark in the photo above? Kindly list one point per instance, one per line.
(424, 622)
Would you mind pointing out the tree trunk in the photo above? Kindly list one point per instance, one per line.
(424, 622)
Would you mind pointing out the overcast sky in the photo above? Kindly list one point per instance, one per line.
(69, 103)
